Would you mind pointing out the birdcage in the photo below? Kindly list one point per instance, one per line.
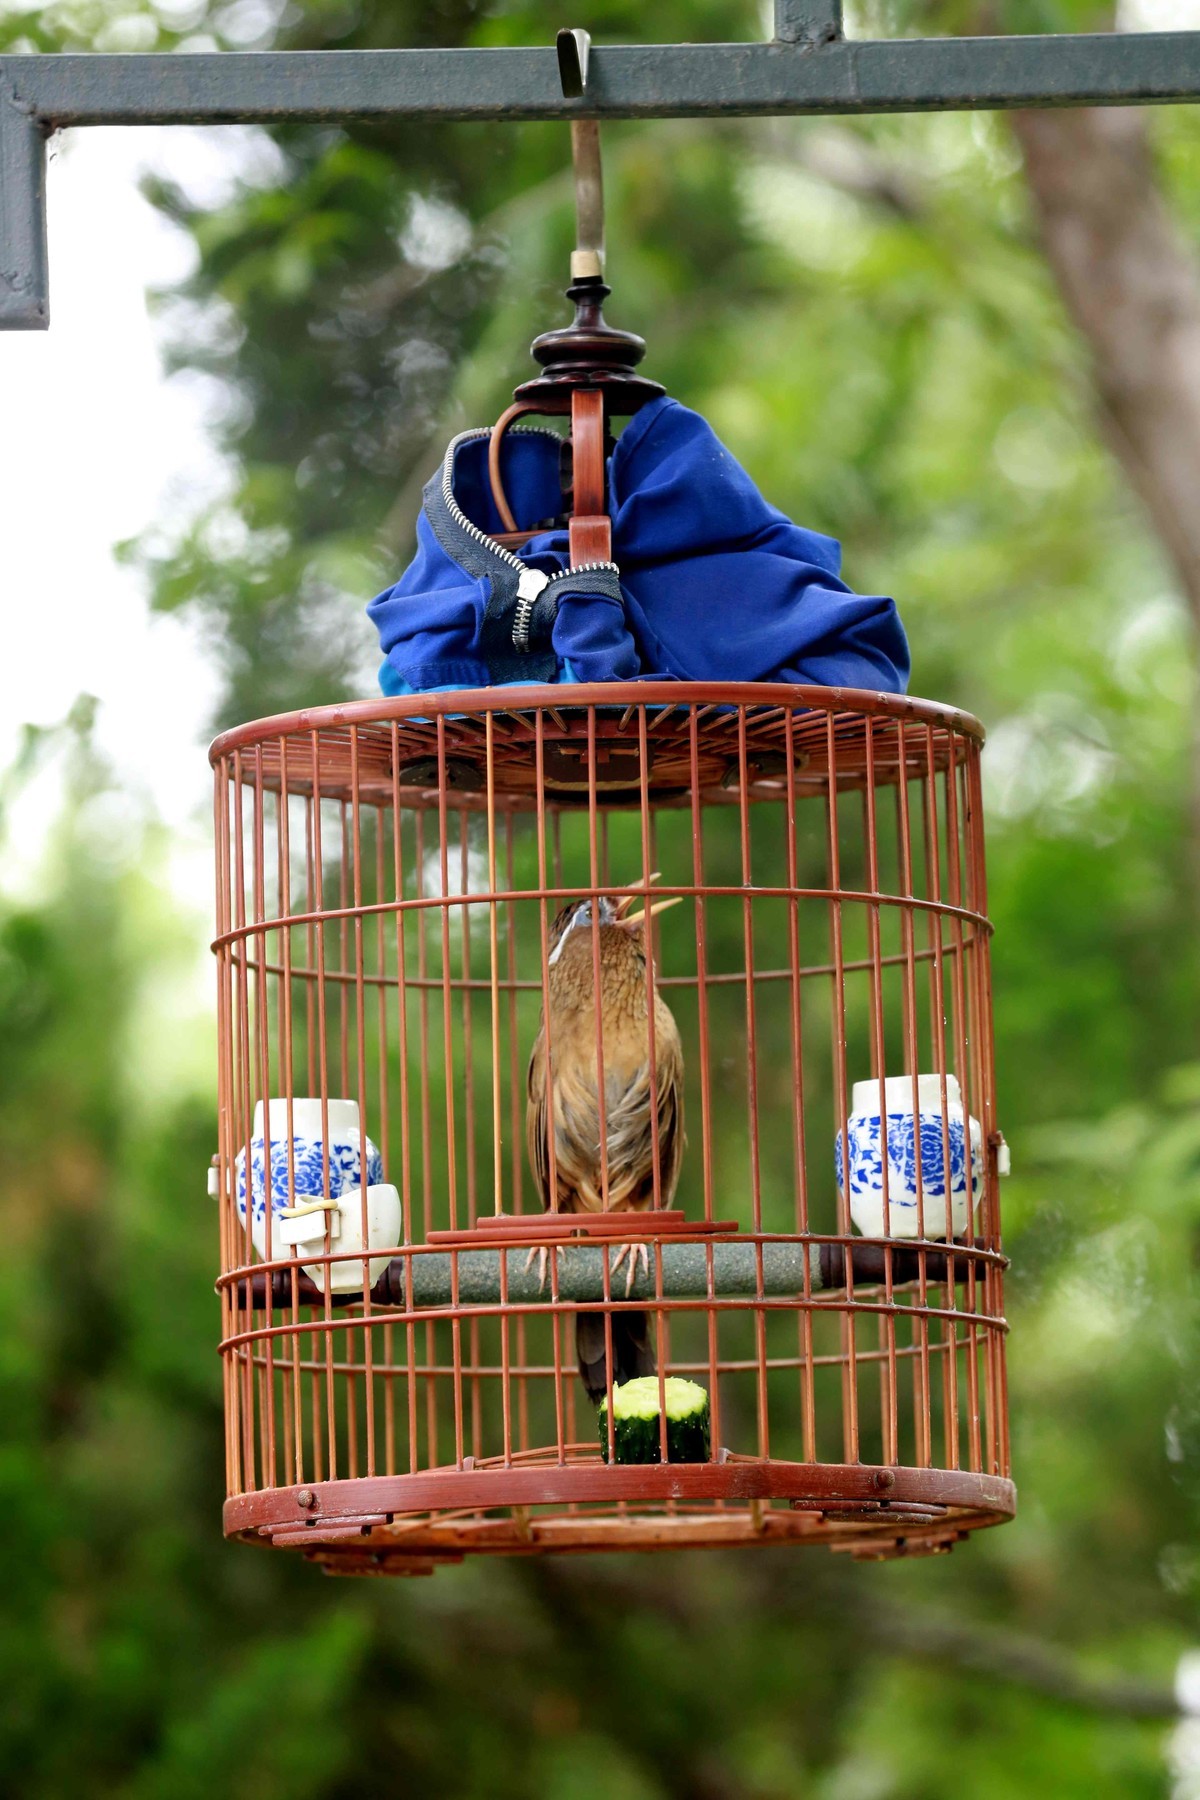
(401, 1387)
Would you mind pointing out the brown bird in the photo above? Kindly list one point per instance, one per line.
(572, 1102)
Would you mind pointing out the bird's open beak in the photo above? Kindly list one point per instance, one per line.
(634, 921)
(623, 902)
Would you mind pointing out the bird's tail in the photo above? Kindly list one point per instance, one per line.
(631, 1350)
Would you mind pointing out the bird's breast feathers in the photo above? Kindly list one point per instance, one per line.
(632, 1124)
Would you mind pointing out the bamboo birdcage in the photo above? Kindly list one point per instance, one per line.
(386, 874)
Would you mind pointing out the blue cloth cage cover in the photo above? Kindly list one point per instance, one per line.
(709, 582)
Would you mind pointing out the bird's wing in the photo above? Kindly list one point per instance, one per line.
(668, 1068)
(576, 1135)
(535, 1118)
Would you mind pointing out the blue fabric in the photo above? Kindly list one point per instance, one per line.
(395, 686)
(718, 585)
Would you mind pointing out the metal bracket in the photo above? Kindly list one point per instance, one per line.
(809, 67)
(24, 278)
(808, 21)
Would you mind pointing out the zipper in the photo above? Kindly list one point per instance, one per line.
(455, 510)
(533, 582)
(530, 581)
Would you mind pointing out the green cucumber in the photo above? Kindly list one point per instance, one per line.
(636, 1435)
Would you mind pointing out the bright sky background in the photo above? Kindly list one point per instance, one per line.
(96, 444)
(1159, 15)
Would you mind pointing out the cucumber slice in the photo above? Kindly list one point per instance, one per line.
(635, 1421)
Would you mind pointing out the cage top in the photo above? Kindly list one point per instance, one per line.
(507, 747)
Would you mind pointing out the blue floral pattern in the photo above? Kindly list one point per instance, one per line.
(345, 1171)
(865, 1134)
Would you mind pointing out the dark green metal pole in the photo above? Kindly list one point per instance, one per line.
(819, 74)
(809, 68)
(24, 284)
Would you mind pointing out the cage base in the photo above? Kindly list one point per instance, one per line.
(411, 1524)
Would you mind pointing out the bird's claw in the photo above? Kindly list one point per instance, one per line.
(637, 1254)
(540, 1254)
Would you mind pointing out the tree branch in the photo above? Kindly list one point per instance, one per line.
(1025, 1662)
(884, 1629)
(1132, 285)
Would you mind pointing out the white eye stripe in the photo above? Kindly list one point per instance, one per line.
(577, 919)
(558, 948)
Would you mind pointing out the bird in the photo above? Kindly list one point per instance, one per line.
(567, 1092)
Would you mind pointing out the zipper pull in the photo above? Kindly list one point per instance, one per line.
(529, 585)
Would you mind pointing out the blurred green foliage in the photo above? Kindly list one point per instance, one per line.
(862, 312)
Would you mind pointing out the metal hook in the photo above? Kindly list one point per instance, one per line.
(587, 261)
(573, 49)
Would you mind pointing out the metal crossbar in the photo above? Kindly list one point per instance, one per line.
(808, 67)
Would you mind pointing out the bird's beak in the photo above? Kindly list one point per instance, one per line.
(634, 921)
(623, 902)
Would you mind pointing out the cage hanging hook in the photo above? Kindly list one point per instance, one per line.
(574, 48)
(587, 259)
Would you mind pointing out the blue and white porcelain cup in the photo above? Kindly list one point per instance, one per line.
(297, 1165)
(305, 1235)
(904, 1130)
